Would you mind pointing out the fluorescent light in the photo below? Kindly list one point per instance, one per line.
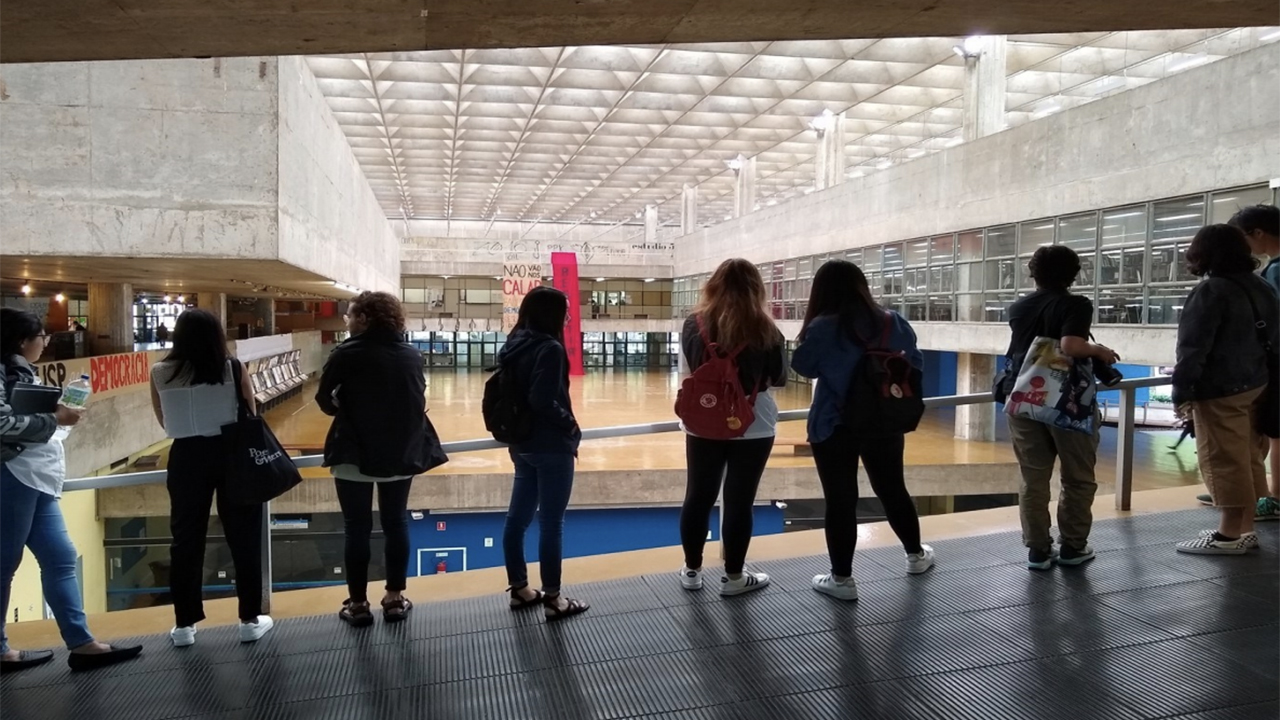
(1132, 213)
(1270, 36)
(884, 164)
(915, 153)
(1187, 63)
(1046, 110)
(649, 280)
(1171, 218)
(599, 279)
(954, 141)
(959, 51)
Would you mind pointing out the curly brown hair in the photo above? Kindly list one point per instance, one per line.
(381, 310)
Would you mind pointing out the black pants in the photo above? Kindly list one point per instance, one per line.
(196, 468)
(356, 499)
(740, 463)
(837, 460)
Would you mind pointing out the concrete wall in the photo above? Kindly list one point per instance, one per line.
(330, 222)
(154, 158)
(1212, 127)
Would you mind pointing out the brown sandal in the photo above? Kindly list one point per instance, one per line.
(396, 610)
(356, 614)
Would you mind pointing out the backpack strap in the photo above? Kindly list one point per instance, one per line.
(1259, 324)
(713, 347)
(884, 334)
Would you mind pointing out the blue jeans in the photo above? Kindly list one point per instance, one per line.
(543, 484)
(30, 518)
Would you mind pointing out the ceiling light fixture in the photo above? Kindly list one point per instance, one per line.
(59, 297)
(1270, 36)
(1187, 63)
(824, 121)
(599, 279)
(168, 299)
(649, 280)
(182, 298)
(26, 289)
(735, 163)
(970, 49)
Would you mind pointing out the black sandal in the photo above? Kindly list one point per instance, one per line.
(396, 610)
(356, 614)
(520, 603)
(572, 607)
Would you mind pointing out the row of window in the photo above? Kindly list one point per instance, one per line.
(1133, 264)
(599, 349)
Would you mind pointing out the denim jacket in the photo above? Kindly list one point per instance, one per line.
(1218, 350)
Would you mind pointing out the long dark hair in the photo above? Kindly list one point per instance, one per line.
(733, 307)
(17, 327)
(1220, 250)
(840, 288)
(544, 310)
(199, 347)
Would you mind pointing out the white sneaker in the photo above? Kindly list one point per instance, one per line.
(745, 584)
(183, 636)
(827, 584)
(921, 561)
(252, 631)
(690, 579)
(1250, 539)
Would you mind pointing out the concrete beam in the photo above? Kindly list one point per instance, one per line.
(63, 30)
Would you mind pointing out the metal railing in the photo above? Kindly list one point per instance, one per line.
(1124, 453)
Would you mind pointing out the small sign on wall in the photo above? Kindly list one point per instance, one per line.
(440, 526)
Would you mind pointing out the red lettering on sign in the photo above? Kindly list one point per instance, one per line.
(112, 372)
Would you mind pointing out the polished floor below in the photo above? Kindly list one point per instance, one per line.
(605, 398)
(1141, 632)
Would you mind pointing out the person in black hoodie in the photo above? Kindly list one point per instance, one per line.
(374, 387)
(544, 461)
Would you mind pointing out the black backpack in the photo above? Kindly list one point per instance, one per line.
(886, 392)
(505, 407)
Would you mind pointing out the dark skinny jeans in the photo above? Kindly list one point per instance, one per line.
(740, 463)
(356, 499)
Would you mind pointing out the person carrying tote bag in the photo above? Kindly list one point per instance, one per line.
(258, 468)
(1052, 409)
(195, 394)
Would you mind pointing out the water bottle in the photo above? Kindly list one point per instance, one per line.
(76, 393)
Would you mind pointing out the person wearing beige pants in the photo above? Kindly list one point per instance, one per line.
(1037, 446)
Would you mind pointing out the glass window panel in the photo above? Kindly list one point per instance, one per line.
(1025, 282)
(1120, 306)
(969, 277)
(893, 256)
(942, 250)
(917, 253)
(1165, 306)
(942, 279)
(1080, 233)
(915, 309)
(1001, 241)
(854, 256)
(415, 295)
(942, 308)
(995, 306)
(970, 307)
(969, 245)
(915, 282)
(1177, 219)
(789, 270)
(1124, 226)
(805, 268)
(999, 274)
(871, 259)
(1226, 203)
(1034, 234)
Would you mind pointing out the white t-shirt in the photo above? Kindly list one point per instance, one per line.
(194, 410)
(42, 466)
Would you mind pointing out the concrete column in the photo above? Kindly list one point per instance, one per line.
(215, 303)
(985, 75)
(974, 373)
(829, 160)
(650, 223)
(744, 188)
(110, 318)
(265, 309)
(689, 209)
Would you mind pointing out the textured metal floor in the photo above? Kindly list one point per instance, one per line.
(1139, 633)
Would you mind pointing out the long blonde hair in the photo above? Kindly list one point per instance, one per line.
(733, 307)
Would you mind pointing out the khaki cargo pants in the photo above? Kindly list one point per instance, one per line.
(1037, 447)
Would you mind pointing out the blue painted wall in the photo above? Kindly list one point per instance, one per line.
(1130, 372)
(586, 532)
(939, 373)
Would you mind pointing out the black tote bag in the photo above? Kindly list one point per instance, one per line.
(258, 469)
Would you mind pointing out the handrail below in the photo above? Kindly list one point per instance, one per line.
(463, 446)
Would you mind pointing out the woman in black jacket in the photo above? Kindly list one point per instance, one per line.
(535, 353)
(1220, 379)
(374, 387)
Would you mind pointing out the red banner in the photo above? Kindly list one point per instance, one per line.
(564, 272)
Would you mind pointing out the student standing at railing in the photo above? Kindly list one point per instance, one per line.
(733, 314)
(1220, 379)
(841, 321)
(374, 388)
(193, 394)
(34, 468)
(1052, 311)
(535, 353)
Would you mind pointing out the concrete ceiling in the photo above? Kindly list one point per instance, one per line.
(61, 30)
(248, 278)
(593, 134)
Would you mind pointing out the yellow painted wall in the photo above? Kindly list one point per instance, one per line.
(79, 511)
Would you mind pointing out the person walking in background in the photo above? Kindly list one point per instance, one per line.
(840, 322)
(193, 393)
(1219, 379)
(535, 354)
(733, 315)
(1261, 227)
(374, 387)
(1053, 311)
(31, 477)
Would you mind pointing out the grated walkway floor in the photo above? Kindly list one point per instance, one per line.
(1141, 632)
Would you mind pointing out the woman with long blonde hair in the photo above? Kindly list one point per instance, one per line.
(733, 316)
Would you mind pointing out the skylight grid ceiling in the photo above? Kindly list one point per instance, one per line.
(593, 134)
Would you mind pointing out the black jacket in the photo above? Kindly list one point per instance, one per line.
(1218, 350)
(379, 418)
(18, 431)
(757, 369)
(542, 366)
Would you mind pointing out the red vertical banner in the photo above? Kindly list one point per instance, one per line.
(564, 277)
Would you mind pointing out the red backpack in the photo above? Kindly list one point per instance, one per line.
(711, 403)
